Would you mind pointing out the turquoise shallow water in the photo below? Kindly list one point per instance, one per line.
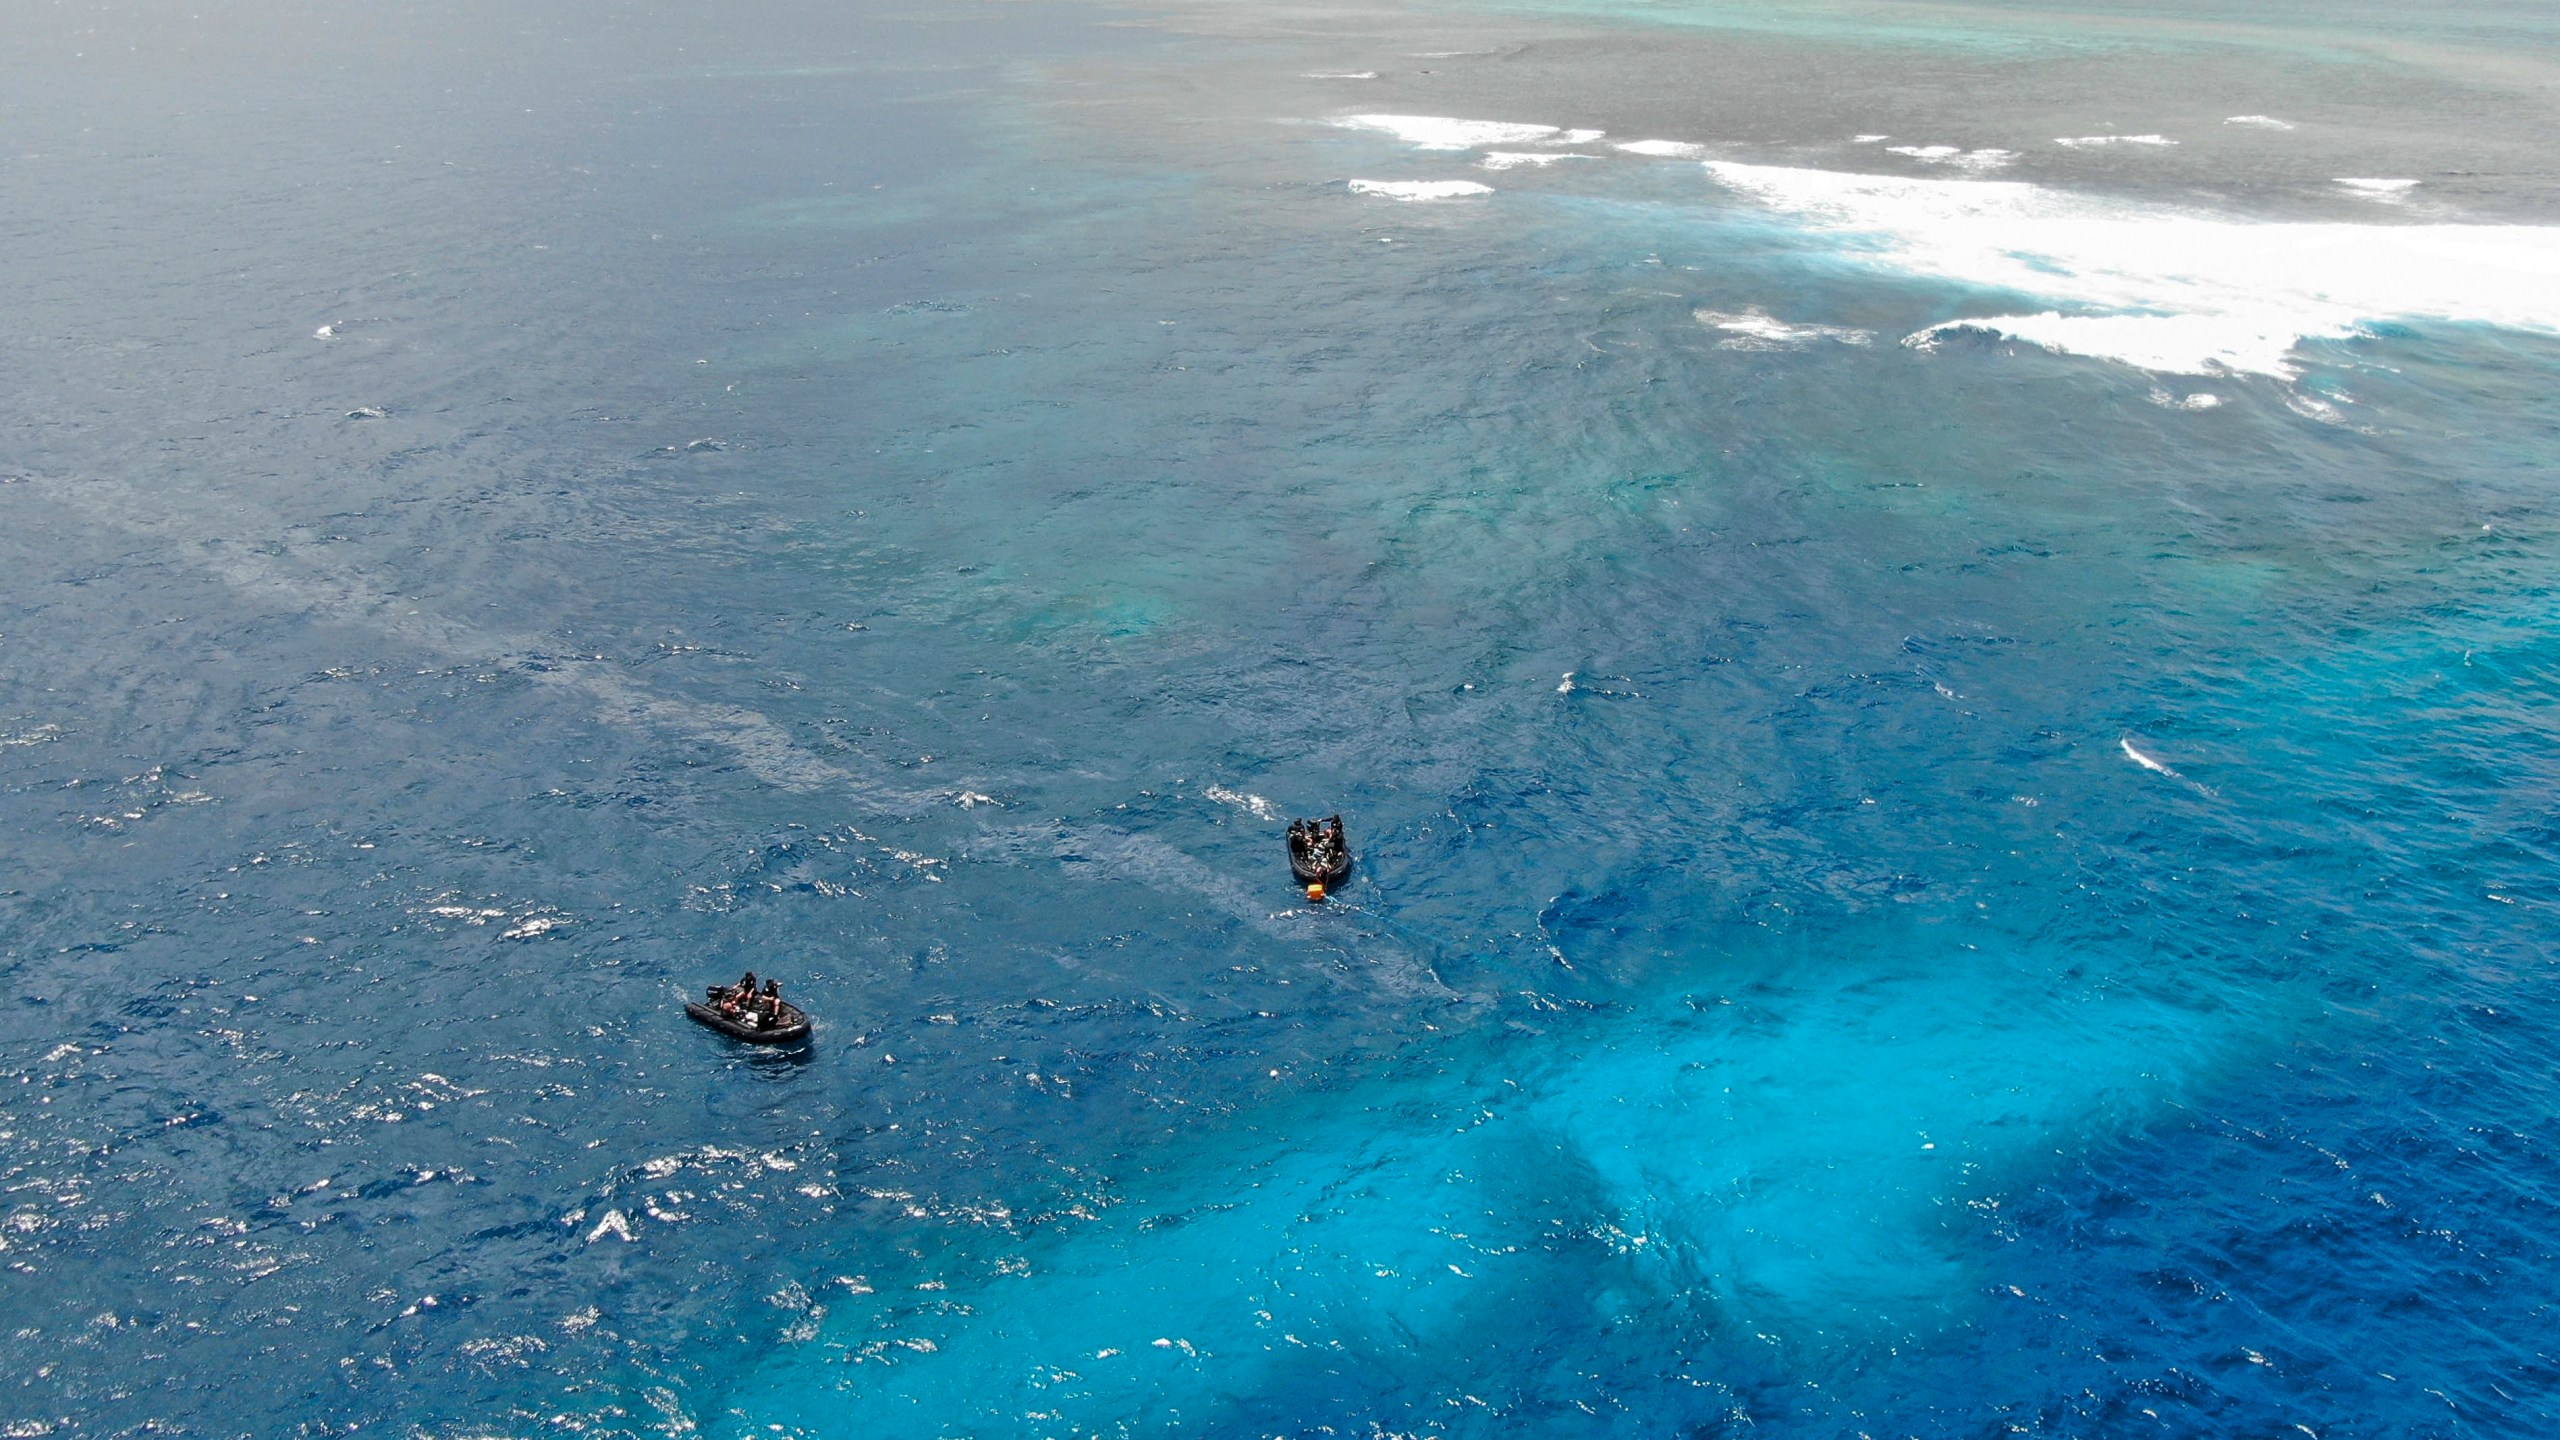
(1905, 888)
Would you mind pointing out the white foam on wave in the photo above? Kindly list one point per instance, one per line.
(2093, 142)
(2145, 761)
(1960, 159)
(1575, 137)
(1443, 132)
(535, 925)
(1868, 139)
(1513, 159)
(1251, 804)
(1663, 149)
(1340, 75)
(1753, 330)
(1420, 189)
(2389, 192)
(2259, 122)
(2200, 400)
(2160, 287)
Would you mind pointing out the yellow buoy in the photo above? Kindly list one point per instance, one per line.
(1315, 891)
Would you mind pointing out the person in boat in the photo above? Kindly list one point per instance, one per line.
(772, 997)
(1314, 844)
(1324, 844)
(746, 985)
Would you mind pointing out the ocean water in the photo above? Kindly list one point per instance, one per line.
(1932, 625)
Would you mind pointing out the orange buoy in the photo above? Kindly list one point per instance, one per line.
(1315, 892)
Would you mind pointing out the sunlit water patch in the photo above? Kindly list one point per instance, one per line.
(1752, 1179)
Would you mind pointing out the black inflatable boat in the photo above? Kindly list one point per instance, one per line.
(789, 1024)
(1318, 852)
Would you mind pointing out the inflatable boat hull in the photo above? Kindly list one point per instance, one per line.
(794, 1025)
(1309, 875)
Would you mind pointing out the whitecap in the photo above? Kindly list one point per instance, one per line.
(2169, 344)
(2389, 192)
(2145, 761)
(1755, 330)
(1663, 149)
(1961, 159)
(1340, 75)
(2161, 287)
(1441, 132)
(1575, 137)
(2260, 122)
(2199, 400)
(2091, 142)
(534, 925)
(1513, 159)
(1868, 139)
(1607, 687)
(1253, 805)
(1420, 189)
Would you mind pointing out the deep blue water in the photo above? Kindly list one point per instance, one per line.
(1991, 882)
